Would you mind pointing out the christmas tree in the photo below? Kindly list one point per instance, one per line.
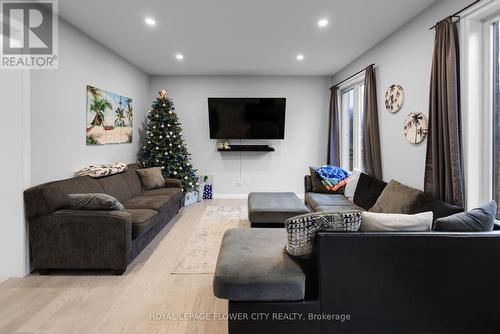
(163, 144)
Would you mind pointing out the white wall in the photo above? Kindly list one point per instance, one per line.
(44, 137)
(404, 58)
(59, 106)
(305, 141)
(14, 170)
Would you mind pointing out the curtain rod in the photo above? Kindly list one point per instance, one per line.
(457, 14)
(352, 76)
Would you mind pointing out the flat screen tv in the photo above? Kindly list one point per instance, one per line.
(247, 118)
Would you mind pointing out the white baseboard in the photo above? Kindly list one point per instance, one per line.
(230, 196)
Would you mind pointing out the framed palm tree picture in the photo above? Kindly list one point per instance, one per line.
(416, 127)
(109, 117)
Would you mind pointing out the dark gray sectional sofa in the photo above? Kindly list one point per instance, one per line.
(79, 239)
(326, 202)
(362, 282)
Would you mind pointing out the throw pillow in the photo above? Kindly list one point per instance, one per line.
(479, 219)
(318, 186)
(384, 222)
(351, 185)
(301, 230)
(93, 202)
(367, 191)
(439, 208)
(398, 198)
(151, 178)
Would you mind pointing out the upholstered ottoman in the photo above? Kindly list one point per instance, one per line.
(253, 267)
(271, 209)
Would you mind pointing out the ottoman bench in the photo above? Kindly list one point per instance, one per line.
(258, 278)
(271, 209)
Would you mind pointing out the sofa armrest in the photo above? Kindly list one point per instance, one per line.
(81, 239)
(307, 184)
(173, 183)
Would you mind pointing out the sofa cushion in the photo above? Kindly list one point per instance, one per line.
(398, 198)
(142, 220)
(116, 186)
(343, 208)
(274, 207)
(315, 201)
(55, 193)
(385, 222)
(439, 208)
(367, 191)
(132, 179)
(148, 202)
(301, 230)
(480, 219)
(351, 185)
(151, 178)
(162, 192)
(93, 201)
(253, 267)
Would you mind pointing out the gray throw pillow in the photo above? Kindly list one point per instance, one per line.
(93, 202)
(479, 219)
(151, 178)
(398, 198)
(396, 222)
(301, 230)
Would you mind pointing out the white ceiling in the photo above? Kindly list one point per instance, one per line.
(248, 37)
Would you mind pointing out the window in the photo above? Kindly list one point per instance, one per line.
(496, 111)
(351, 119)
(480, 119)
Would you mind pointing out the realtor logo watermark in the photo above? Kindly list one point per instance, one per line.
(29, 34)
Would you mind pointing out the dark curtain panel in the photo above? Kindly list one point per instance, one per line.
(371, 138)
(333, 156)
(443, 165)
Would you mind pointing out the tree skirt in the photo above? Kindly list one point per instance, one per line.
(200, 254)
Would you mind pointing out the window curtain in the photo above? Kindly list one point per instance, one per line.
(333, 156)
(372, 159)
(443, 165)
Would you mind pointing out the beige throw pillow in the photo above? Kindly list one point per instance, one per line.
(386, 222)
(151, 178)
(398, 198)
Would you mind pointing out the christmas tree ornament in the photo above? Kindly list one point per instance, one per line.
(176, 162)
(163, 93)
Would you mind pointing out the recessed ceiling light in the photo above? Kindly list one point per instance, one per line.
(323, 23)
(300, 57)
(179, 56)
(150, 21)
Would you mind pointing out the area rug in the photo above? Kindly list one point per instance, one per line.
(200, 254)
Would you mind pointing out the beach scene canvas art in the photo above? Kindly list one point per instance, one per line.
(109, 117)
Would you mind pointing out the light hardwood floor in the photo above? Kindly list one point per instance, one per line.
(96, 303)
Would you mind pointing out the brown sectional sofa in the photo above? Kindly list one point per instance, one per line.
(61, 238)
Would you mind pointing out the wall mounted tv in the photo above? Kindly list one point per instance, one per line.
(247, 118)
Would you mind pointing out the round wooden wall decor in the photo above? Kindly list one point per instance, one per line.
(394, 98)
(416, 127)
